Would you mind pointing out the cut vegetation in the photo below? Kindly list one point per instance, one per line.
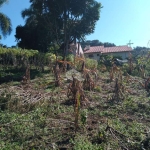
(83, 108)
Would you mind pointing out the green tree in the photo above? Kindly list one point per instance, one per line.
(96, 43)
(36, 33)
(63, 21)
(78, 19)
(32, 37)
(5, 23)
(107, 44)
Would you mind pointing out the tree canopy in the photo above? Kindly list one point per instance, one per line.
(97, 43)
(55, 21)
(5, 23)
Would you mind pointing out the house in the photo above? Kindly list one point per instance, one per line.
(96, 51)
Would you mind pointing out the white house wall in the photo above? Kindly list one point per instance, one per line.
(124, 55)
(96, 56)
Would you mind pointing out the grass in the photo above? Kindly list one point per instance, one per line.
(41, 116)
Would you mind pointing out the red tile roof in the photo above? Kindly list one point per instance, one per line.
(117, 49)
(102, 49)
(94, 49)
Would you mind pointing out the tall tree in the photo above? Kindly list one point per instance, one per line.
(64, 20)
(76, 18)
(34, 34)
(5, 23)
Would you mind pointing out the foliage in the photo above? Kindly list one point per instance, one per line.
(51, 57)
(22, 57)
(91, 63)
(106, 60)
(18, 52)
(84, 115)
(70, 58)
(5, 22)
(33, 37)
(57, 22)
(139, 51)
(97, 43)
(81, 142)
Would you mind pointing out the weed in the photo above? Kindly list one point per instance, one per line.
(84, 117)
(81, 142)
(97, 89)
(118, 91)
(88, 83)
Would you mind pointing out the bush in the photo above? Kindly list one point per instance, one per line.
(91, 63)
(70, 58)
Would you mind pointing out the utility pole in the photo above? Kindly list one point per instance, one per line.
(129, 44)
(148, 44)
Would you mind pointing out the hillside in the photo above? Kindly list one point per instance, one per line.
(38, 115)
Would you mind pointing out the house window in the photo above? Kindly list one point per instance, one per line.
(91, 55)
(97, 54)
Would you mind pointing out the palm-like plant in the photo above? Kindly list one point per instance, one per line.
(5, 22)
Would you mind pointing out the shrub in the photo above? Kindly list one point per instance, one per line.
(91, 63)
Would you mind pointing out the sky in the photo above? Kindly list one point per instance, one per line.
(120, 21)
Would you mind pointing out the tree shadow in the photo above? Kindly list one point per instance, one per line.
(69, 102)
(17, 75)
